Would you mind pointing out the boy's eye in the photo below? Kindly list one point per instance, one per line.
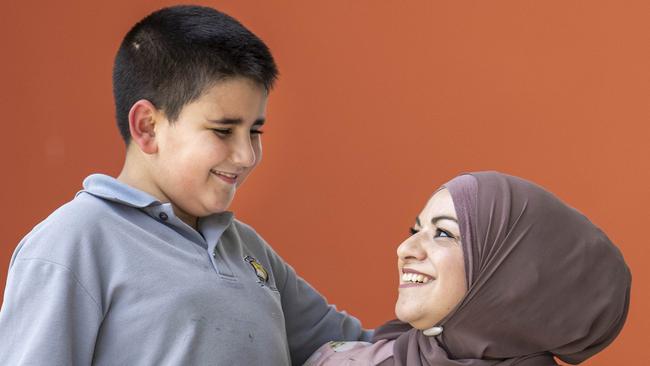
(440, 233)
(222, 131)
(413, 231)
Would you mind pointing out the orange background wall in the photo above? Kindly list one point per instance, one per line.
(379, 102)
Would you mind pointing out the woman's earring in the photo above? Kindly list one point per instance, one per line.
(433, 331)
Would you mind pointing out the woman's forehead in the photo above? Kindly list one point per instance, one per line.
(440, 204)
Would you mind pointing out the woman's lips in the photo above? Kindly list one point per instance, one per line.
(413, 278)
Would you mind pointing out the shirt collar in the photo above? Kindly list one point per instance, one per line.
(103, 186)
(111, 189)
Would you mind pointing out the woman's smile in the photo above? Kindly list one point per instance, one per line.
(413, 278)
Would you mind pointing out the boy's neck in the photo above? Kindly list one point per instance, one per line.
(135, 174)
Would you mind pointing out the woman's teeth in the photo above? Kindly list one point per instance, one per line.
(415, 278)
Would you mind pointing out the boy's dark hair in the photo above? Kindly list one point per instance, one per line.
(174, 54)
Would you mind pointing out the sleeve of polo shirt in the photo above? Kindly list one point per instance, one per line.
(48, 317)
(310, 320)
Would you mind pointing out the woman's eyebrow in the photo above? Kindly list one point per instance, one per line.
(438, 218)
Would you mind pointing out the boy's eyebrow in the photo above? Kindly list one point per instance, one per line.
(236, 121)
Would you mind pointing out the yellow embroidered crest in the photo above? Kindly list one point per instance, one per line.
(260, 271)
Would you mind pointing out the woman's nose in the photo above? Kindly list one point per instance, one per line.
(412, 248)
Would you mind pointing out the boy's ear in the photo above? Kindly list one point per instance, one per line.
(142, 120)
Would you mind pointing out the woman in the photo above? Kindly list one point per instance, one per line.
(498, 271)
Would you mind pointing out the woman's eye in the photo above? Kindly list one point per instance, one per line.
(256, 132)
(412, 231)
(440, 233)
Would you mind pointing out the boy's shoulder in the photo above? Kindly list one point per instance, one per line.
(73, 222)
(84, 213)
(87, 220)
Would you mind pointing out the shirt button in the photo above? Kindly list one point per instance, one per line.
(163, 216)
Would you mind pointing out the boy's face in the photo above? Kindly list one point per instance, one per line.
(210, 150)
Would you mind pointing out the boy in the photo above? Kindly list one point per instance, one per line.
(150, 268)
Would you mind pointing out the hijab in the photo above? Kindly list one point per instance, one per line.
(542, 280)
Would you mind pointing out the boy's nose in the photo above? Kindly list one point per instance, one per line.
(243, 153)
(411, 248)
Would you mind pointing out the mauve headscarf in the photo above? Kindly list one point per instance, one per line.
(542, 281)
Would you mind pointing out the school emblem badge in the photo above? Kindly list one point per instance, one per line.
(260, 271)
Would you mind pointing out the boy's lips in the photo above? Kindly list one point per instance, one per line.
(229, 178)
(411, 278)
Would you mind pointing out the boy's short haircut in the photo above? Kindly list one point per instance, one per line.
(174, 54)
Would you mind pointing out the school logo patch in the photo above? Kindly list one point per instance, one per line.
(260, 271)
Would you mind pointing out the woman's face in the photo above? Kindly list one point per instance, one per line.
(430, 264)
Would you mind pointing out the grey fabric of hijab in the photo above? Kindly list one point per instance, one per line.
(543, 281)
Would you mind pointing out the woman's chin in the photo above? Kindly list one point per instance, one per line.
(405, 316)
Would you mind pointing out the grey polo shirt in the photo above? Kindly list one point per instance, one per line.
(115, 278)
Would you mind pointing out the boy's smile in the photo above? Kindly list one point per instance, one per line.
(226, 177)
(201, 158)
